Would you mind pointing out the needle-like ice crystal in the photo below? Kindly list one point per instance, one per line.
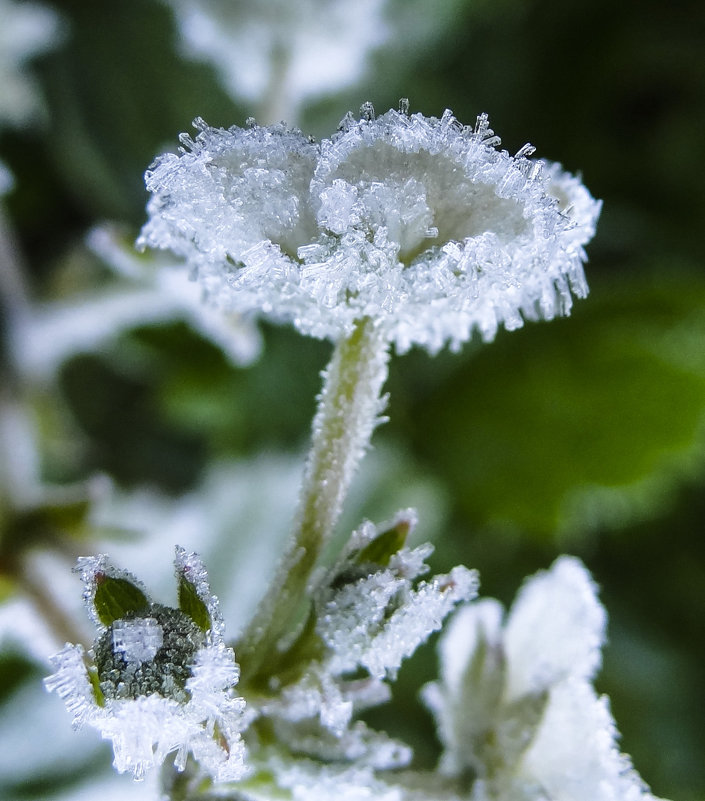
(420, 224)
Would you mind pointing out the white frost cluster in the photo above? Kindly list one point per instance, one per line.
(299, 51)
(368, 619)
(419, 223)
(203, 716)
(515, 706)
(26, 29)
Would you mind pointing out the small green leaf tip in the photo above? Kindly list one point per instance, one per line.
(381, 549)
(194, 592)
(116, 597)
(190, 604)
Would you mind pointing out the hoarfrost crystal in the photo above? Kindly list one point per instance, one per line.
(515, 705)
(418, 223)
(160, 679)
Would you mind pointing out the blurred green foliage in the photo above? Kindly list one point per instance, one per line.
(585, 434)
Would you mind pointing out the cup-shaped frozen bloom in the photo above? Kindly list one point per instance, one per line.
(515, 706)
(420, 224)
(160, 680)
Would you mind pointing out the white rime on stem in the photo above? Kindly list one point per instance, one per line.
(349, 408)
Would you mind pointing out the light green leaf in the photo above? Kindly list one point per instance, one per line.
(580, 423)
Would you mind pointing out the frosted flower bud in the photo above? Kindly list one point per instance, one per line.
(515, 706)
(320, 45)
(159, 680)
(418, 223)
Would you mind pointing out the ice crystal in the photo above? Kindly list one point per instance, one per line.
(515, 705)
(160, 680)
(311, 47)
(419, 223)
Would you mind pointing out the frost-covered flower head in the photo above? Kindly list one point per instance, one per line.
(160, 679)
(310, 47)
(515, 706)
(25, 30)
(418, 223)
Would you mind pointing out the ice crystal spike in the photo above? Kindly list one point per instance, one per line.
(417, 223)
(514, 704)
(161, 680)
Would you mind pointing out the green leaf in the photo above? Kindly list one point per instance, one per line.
(385, 545)
(191, 605)
(582, 423)
(117, 597)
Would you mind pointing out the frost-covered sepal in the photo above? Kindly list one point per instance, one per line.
(159, 680)
(514, 706)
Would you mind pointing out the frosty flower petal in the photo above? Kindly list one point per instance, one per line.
(161, 680)
(418, 223)
(514, 705)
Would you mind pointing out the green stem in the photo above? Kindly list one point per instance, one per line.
(348, 411)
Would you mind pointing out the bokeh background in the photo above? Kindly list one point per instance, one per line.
(585, 435)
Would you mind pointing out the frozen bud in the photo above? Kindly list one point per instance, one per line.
(514, 706)
(418, 223)
(161, 680)
(322, 45)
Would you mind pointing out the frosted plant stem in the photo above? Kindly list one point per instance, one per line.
(349, 408)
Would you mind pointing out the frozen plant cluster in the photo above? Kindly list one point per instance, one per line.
(298, 51)
(421, 224)
(159, 680)
(515, 706)
(367, 614)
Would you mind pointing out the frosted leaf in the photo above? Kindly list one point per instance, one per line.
(158, 683)
(312, 782)
(555, 630)
(321, 46)
(26, 29)
(93, 570)
(597, 771)
(420, 224)
(148, 291)
(367, 619)
(514, 705)
(358, 744)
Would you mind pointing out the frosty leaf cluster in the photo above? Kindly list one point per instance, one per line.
(421, 224)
